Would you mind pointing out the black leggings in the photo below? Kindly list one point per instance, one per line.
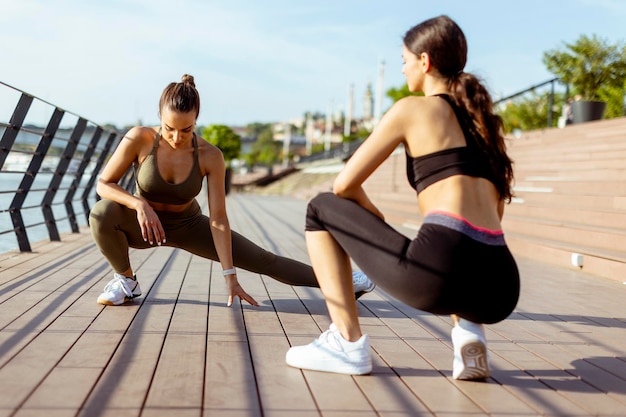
(450, 267)
(115, 228)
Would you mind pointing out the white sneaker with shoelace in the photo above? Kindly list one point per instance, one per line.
(119, 290)
(332, 353)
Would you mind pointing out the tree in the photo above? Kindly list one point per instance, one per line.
(253, 130)
(396, 94)
(590, 65)
(224, 138)
(360, 134)
(266, 148)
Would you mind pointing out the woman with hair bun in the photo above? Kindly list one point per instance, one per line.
(459, 263)
(171, 163)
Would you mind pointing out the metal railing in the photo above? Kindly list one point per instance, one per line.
(342, 151)
(552, 83)
(47, 174)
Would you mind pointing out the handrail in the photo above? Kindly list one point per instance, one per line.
(47, 169)
(552, 82)
(527, 90)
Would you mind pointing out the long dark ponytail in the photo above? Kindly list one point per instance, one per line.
(444, 42)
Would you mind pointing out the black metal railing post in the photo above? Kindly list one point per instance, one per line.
(29, 176)
(8, 138)
(96, 171)
(551, 103)
(6, 143)
(57, 177)
(79, 176)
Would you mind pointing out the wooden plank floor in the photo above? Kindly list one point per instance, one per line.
(179, 351)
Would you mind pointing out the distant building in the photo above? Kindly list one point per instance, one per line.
(368, 103)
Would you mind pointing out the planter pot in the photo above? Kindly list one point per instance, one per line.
(229, 178)
(586, 111)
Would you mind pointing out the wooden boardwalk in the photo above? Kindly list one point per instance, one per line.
(179, 351)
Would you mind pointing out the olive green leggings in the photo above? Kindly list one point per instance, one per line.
(115, 229)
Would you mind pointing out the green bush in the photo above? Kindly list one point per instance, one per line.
(224, 138)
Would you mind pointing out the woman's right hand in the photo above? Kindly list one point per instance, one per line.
(151, 228)
(236, 290)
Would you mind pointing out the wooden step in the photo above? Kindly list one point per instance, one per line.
(569, 215)
(576, 234)
(602, 263)
(570, 186)
(595, 202)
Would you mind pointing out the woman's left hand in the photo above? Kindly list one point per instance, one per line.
(236, 290)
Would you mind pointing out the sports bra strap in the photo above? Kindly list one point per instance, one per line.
(156, 140)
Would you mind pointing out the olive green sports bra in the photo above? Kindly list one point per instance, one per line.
(151, 186)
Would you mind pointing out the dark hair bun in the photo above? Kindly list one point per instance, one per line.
(188, 79)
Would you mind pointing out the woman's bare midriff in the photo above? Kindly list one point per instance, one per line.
(474, 199)
(174, 208)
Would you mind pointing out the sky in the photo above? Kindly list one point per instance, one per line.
(266, 61)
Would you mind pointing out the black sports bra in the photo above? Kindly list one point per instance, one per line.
(426, 170)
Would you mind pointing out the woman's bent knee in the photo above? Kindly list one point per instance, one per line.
(313, 212)
(105, 213)
(105, 208)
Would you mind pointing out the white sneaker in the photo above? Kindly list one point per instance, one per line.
(332, 353)
(470, 351)
(362, 284)
(119, 290)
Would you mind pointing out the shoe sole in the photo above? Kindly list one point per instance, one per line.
(359, 294)
(347, 370)
(111, 303)
(335, 366)
(475, 364)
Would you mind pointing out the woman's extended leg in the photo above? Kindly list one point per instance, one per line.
(191, 231)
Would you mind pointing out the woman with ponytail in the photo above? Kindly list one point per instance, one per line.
(459, 263)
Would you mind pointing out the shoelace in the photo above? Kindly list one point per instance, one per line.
(358, 279)
(330, 338)
(121, 282)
